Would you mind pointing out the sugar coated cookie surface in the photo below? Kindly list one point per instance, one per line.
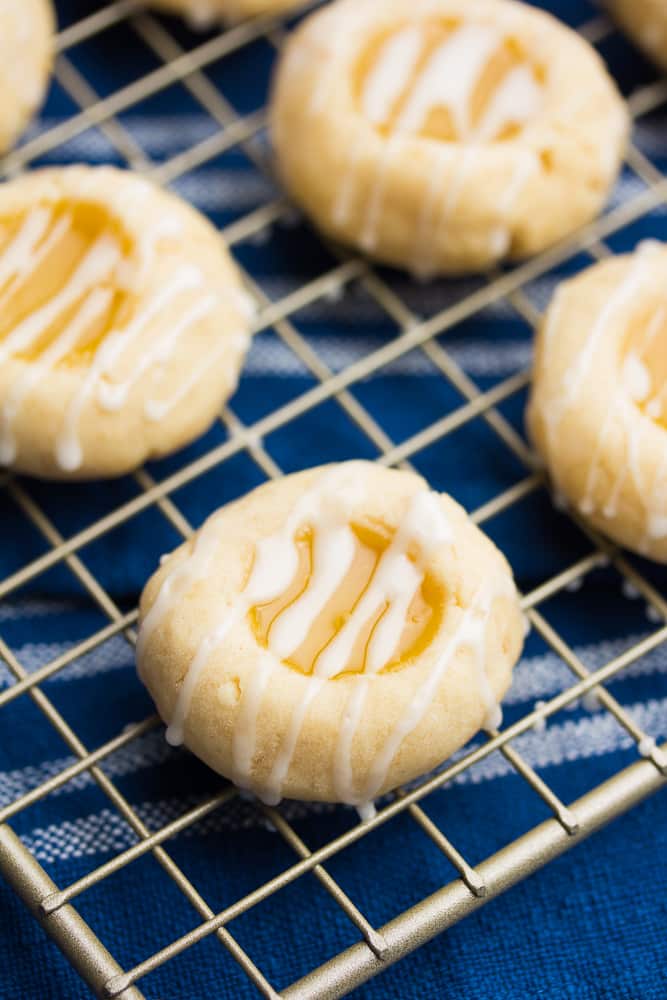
(598, 410)
(26, 55)
(204, 13)
(331, 635)
(123, 323)
(646, 23)
(445, 135)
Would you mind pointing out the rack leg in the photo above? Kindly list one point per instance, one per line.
(80, 946)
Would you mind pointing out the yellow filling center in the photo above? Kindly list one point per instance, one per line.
(422, 620)
(437, 120)
(58, 281)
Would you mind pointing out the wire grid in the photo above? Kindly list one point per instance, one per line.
(378, 947)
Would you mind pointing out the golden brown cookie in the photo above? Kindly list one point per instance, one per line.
(445, 135)
(26, 55)
(331, 635)
(123, 323)
(598, 409)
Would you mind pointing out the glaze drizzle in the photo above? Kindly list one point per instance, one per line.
(634, 405)
(326, 509)
(94, 317)
(409, 81)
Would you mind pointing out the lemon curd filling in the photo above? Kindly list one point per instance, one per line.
(422, 620)
(645, 364)
(405, 67)
(59, 288)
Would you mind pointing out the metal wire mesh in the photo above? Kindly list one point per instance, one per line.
(377, 947)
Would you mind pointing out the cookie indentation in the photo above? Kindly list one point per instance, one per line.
(122, 322)
(60, 282)
(450, 81)
(363, 617)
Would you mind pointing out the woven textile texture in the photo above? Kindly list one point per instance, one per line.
(589, 926)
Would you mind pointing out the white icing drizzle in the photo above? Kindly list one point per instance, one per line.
(448, 78)
(396, 63)
(470, 633)
(634, 386)
(373, 214)
(342, 205)
(424, 266)
(516, 101)
(88, 291)
(157, 409)
(96, 266)
(276, 561)
(326, 509)
(92, 307)
(18, 256)
(112, 395)
(555, 409)
(333, 554)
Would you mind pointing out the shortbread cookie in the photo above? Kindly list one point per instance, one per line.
(598, 411)
(445, 135)
(123, 323)
(26, 55)
(331, 635)
(204, 13)
(646, 23)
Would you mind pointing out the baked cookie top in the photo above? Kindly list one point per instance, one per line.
(444, 135)
(330, 635)
(598, 409)
(26, 56)
(123, 322)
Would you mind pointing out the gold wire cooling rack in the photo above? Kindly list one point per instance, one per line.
(378, 947)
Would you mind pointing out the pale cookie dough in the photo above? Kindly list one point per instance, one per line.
(204, 13)
(646, 23)
(26, 55)
(598, 410)
(445, 135)
(123, 323)
(331, 635)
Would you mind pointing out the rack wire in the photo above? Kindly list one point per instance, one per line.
(378, 947)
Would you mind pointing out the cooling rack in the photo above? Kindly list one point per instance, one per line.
(191, 63)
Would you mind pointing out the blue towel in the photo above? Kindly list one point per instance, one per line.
(590, 925)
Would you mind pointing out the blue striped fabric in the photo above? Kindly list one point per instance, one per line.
(590, 925)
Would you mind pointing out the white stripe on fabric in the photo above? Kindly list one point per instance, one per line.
(270, 357)
(534, 677)
(17, 610)
(544, 676)
(114, 654)
(150, 750)
(573, 740)
(165, 135)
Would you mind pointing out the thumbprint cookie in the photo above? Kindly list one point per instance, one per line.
(598, 409)
(26, 55)
(123, 323)
(331, 635)
(204, 13)
(646, 23)
(445, 135)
